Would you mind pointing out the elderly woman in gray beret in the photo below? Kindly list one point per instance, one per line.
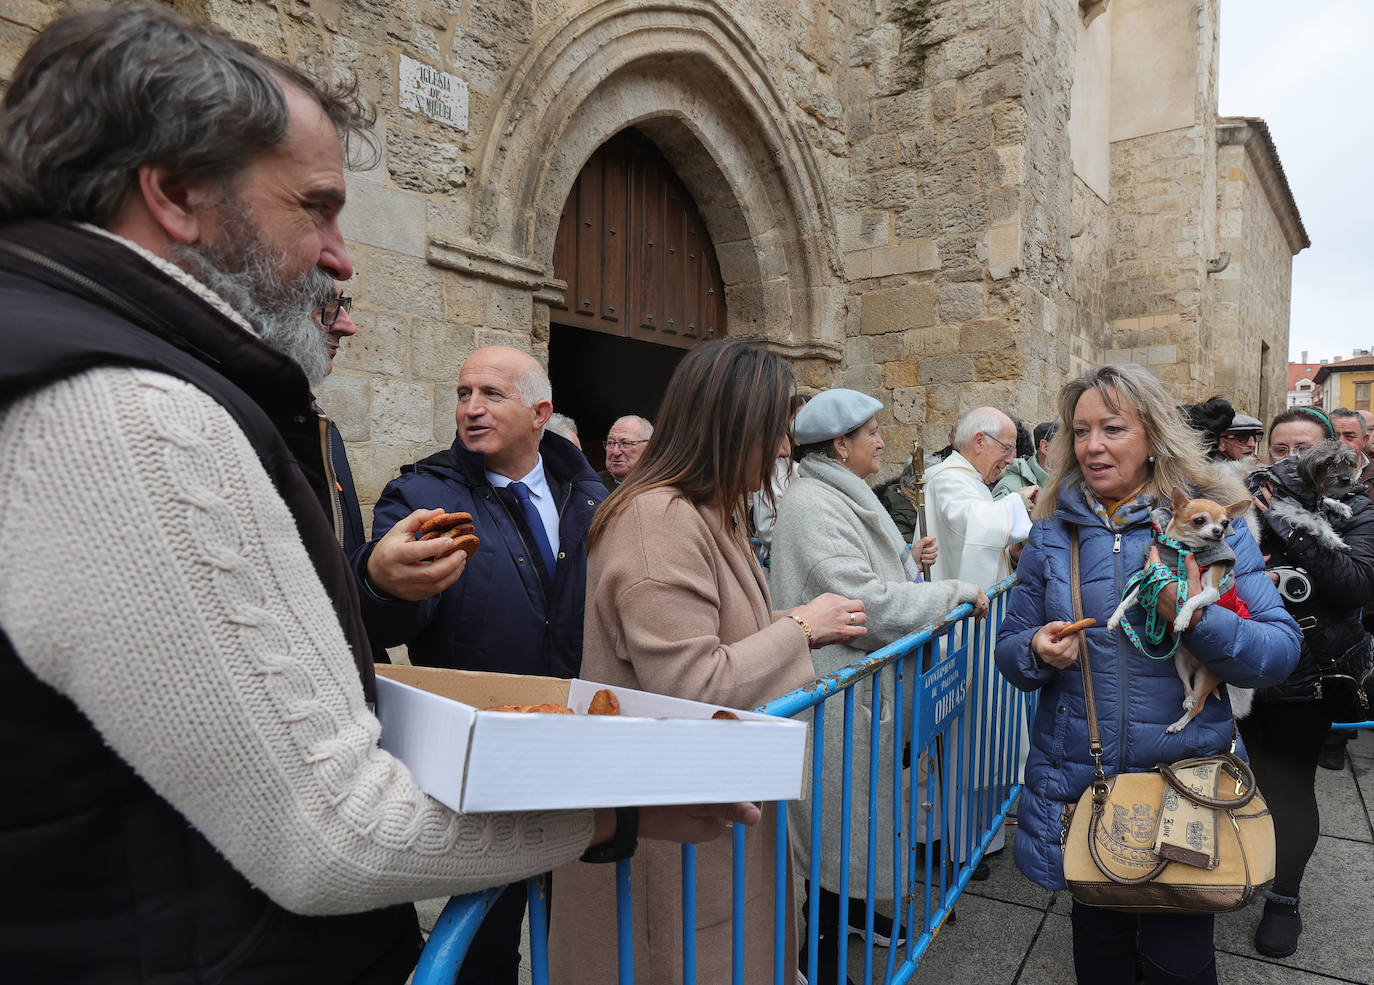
(833, 535)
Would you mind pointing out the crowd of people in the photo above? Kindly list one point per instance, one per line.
(187, 711)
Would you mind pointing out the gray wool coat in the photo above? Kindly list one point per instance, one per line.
(833, 535)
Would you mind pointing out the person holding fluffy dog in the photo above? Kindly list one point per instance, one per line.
(1313, 517)
(1120, 452)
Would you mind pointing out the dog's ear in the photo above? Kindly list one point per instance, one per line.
(1237, 510)
(1180, 497)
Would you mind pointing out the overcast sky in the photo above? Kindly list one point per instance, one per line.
(1307, 68)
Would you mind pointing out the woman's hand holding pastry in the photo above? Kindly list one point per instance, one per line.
(833, 618)
(1052, 650)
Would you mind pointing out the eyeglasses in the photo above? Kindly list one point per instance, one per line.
(1009, 449)
(1283, 451)
(1240, 437)
(612, 444)
(329, 310)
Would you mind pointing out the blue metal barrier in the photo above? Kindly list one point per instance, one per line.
(962, 725)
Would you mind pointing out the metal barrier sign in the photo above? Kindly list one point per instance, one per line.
(943, 689)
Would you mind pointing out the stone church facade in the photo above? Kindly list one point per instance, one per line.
(944, 203)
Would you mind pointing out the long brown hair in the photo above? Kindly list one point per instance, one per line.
(1179, 459)
(726, 403)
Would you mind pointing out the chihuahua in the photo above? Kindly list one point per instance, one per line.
(1199, 524)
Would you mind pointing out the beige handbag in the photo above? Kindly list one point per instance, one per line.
(1189, 837)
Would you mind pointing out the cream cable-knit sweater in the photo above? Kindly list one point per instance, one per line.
(150, 572)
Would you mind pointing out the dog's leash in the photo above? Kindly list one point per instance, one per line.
(1153, 579)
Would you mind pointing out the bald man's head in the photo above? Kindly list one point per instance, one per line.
(504, 400)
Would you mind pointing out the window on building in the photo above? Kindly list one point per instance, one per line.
(1362, 396)
(1304, 386)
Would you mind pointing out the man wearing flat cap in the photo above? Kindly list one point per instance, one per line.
(1241, 440)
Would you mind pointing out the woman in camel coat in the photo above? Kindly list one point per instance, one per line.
(677, 604)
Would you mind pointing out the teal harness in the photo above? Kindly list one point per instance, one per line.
(1153, 579)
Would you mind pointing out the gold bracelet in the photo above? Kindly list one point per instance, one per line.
(810, 640)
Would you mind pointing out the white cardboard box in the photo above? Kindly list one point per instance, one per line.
(659, 750)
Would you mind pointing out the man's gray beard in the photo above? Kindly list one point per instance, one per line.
(244, 270)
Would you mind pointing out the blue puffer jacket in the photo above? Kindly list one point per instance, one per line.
(1137, 698)
(500, 615)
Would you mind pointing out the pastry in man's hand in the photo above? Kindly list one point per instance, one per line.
(457, 526)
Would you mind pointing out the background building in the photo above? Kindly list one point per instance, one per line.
(942, 202)
(1345, 382)
(1302, 380)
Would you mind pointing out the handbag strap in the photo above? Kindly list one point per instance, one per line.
(1245, 781)
(1094, 733)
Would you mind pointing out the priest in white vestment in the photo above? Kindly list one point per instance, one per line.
(975, 532)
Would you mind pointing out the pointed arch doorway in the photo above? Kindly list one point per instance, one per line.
(644, 286)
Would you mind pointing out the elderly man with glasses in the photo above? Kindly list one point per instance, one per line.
(625, 442)
(975, 531)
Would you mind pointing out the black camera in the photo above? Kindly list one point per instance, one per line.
(1294, 584)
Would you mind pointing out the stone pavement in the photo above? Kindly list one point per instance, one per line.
(1010, 932)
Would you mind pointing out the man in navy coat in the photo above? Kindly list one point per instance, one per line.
(516, 606)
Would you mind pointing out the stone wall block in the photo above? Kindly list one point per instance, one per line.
(1009, 122)
(859, 348)
(1004, 205)
(865, 379)
(999, 366)
(909, 404)
(964, 134)
(888, 348)
(919, 146)
(901, 374)
(945, 100)
(918, 221)
(904, 110)
(947, 369)
(347, 400)
(963, 215)
(893, 189)
(987, 336)
(878, 153)
(445, 421)
(957, 58)
(905, 257)
(986, 87)
(961, 302)
(375, 464)
(419, 162)
(405, 286)
(438, 349)
(955, 176)
(1005, 43)
(379, 346)
(1004, 249)
(858, 265)
(896, 309)
(384, 217)
(401, 411)
(862, 230)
